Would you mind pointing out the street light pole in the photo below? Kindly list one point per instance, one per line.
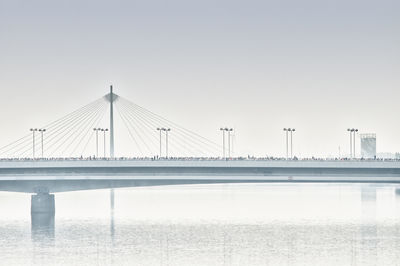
(223, 141)
(160, 129)
(291, 141)
(33, 141)
(229, 130)
(104, 131)
(42, 130)
(166, 140)
(354, 142)
(97, 140)
(351, 144)
(287, 146)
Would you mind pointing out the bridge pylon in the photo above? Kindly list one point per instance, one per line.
(111, 98)
(42, 213)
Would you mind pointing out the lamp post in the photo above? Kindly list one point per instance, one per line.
(351, 144)
(160, 129)
(354, 142)
(229, 130)
(223, 141)
(104, 131)
(42, 130)
(166, 140)
(352, 132)
(287, 146)
(33, 141)
(291, 130)
(97, 140)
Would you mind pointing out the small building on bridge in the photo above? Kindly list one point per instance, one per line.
(368, 145)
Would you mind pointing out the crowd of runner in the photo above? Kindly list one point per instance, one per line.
(157, 158)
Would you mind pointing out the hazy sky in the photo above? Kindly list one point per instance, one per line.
(258, 66)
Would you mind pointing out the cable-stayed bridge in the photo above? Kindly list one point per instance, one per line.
(60, 157)
(73, 136)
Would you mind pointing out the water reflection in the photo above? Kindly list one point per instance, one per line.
(42, 226)
(112, 226)
(212, 225)
(368, 225)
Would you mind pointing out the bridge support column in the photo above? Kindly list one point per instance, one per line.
(42, 214)
(43, 203)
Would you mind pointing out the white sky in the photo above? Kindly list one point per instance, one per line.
(257, 66)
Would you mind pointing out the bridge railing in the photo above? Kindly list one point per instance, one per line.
(156, 158)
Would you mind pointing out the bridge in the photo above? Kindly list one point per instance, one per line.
(67, 163)
(71, 175)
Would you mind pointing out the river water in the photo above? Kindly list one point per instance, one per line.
(230, 224)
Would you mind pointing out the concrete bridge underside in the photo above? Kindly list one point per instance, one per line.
(61, 176)
(46, 177)
(91, 183)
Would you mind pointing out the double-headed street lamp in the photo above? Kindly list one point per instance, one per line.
(166, 130)
(352, 133)
(223, 141)
(97, 130)
(42, 130)
(228, 130)
(291, 130)
(354, 142)
(287, 147)
(351, 141)
(287, 130)
(160, 130)
(97, 140)
(104, 130)
(33, 130)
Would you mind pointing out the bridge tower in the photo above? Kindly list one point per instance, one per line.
(111, 98)
(111, 122)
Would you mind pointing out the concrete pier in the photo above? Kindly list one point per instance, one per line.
(42, 226)
(42, 215)
(43, 203)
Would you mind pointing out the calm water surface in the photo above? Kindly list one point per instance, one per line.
(267, 224)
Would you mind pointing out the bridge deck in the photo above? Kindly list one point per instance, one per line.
(67, 175)
(199, 163)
